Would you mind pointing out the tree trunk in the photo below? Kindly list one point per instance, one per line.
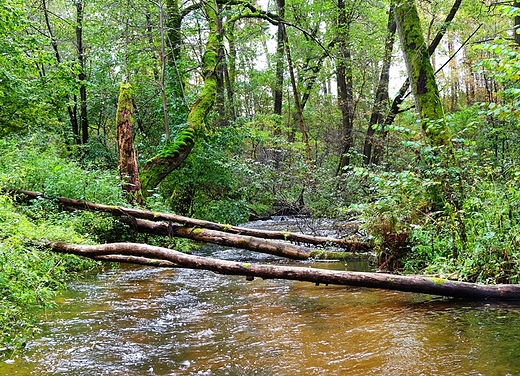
(130, 252)
(128, 167)
(173, 24)
(420, 72)
(381, 97)
(162, 81)
(296, 96)
(401, 95)
(351, 245)
(54, 42)
(176, 151)
(81, 76)
(230, 71)
(220, 98)
(280, 49)
(345, 89)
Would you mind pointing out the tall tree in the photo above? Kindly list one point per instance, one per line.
(280, 53)
(176, 151)
(82, 77)
(381, 96)
(402, 93)
(71, 109)
(345, 81)
(420, 73)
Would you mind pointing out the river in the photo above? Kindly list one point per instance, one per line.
(136, 320)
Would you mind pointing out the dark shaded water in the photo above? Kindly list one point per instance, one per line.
(151, 321)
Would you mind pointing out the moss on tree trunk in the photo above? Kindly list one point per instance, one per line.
(128, 168)
(420, 71)
(176, 151)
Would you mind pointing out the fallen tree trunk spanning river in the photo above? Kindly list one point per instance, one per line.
(350, 245)
(271, 247)
(146, 254)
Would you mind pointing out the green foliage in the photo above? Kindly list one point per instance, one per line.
(25, 98)
(38, 162)
(205, 186)
(29, 275)
(472, 233)
(503, 65)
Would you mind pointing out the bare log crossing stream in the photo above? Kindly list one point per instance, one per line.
(137, 320)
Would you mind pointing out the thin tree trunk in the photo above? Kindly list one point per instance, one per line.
(418, 284)
(162, 82)
(176, 84)
(231, 70)
(81, 76)
(296, 96)
(381, 97)
(280, 50)
(73, 118)
(220, 99)
(516, 29)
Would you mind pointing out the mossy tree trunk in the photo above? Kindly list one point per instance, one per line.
(128, 167)
(421, 74)
(176, 151)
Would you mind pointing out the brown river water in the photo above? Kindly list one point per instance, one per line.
(137, 320)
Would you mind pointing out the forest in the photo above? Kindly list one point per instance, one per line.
(401, 116)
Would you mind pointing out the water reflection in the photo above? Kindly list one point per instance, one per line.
(151, 321)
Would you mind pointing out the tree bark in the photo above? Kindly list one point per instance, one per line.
(130, 252)
(128, 167)
(162, 80)
(420, 72)
(401, 95)
(173, 24)
(73, 118)
(296, 96)
(250, 243)
(230, 71)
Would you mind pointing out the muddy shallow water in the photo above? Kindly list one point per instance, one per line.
(149, 321)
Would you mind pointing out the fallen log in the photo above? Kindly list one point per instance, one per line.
(272, 247)
(351, 245)
(417, 284)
